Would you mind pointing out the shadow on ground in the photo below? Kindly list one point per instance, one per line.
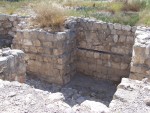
(79, 89)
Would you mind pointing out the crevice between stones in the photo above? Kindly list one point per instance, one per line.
(104, 52)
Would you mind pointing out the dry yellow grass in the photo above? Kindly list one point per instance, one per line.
(49, 14)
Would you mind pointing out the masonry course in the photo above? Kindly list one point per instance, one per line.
(95, 48)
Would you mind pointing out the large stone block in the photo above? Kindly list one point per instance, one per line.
(12, 65)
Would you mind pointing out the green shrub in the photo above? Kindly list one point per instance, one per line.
(145, 17)
(49, 14)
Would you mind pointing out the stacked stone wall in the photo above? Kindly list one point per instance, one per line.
(8, 25)
(140, 65)
(12, 65)
(49, 56)
(95, 48)
(104, 49)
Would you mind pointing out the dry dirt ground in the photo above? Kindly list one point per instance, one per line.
(81, 95)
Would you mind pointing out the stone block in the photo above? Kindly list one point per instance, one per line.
(33, 49)
(124, 66)
(105, 56)
(97, 26)
(27, 42)
(96, 55)
(99, 61)
(126, 27)
(92, 67)
(104, 70)
(89, 54)
(138, 69)
(122, 38)
(130, 39)
(47, 44)
(134, 28)
(3, 17)
(147, 62)
(114, 31)
(42, 36)
(111, 26)
(15, 23)
(12, 65)
(12, 18)
(117, 26)
(104, 25)
(36, 43)
(7, 25)
(116, 65)
(115, 38)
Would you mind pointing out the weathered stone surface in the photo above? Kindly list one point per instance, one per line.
(12, 65)
(140, 67)
(117, 26)
(132, 96)
(91, 106)
(99, 45)
(7, 29)
(49, 56)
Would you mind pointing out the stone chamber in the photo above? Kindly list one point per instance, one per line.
(104, 51)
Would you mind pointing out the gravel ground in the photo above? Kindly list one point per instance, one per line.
(80, 88)
(81, 95)
(132, 96)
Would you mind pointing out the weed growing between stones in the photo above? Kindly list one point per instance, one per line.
(50, 14)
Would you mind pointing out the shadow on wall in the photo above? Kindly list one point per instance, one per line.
(5, 41)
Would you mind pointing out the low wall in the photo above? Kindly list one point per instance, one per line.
(140, 65)
(8, 25)
(12, 65)
(49, 56)
(104, 49)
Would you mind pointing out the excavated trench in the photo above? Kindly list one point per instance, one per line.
(79, 89)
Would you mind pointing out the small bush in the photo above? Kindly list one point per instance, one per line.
(49, 14)
(115, 7)
(134, 5)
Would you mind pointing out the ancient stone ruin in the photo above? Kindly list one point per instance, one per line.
(140, 65)
(104, 51)
(12, 65)
(7, 29)
(98, 49)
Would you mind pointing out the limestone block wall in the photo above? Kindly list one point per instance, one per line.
(140, 65)
(104, 49)
(49, 56)
(12, 65)
(8, 25)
